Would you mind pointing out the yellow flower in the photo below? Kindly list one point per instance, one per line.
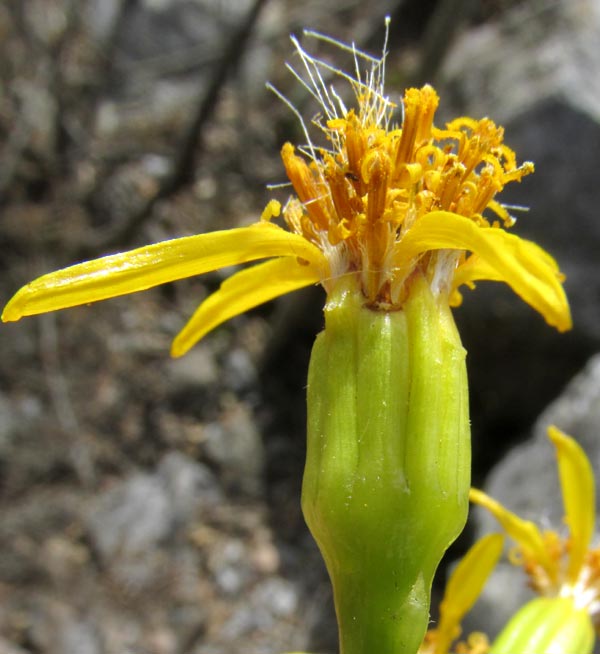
(462, 590)
(559, 566)
(379, 202)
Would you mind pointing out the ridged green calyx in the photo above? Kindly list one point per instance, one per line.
(547, 625)
(388, 464)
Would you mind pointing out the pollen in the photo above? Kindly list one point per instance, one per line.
(475, 643)
(359, 195)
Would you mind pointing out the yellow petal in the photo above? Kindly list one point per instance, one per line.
(149, 266)
(475, 269)
(523, 532)
(579, 496)
(464, 587)
(242, 291)
(530, 271)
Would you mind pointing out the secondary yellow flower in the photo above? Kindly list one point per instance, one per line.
(380, 202)
(462, 590)
(558, 565)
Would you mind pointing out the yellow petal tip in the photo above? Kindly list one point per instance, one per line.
(178, 349)
(565, 323)
(557, 436)
(13, 310)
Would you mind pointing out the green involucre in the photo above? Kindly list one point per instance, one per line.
(387, 474)
(547, 625)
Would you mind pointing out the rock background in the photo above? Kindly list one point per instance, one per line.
(149, 505)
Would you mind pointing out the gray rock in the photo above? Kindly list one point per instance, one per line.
(537, 51)
(196, 368)
(47, 20)
(133, 525)
(39, 110)
(57, 628)
(8, 422)
(189, 485)
(234, 442)
(9, 648)
(271, 600)
(129, 519)
(240, 371)
(230, 567)
(79, 637)
(100, 17)
(276, 595)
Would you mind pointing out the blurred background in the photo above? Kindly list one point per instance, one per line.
(150, 505)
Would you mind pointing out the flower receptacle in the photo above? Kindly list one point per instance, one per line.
(386, 482)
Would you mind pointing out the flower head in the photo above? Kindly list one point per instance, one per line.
(379, 201)
(558, 565)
